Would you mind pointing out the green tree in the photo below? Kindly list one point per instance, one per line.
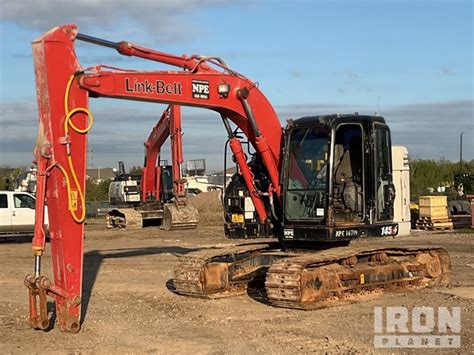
(136, 170)
(426, 174)
(97, 192)
(8, 176)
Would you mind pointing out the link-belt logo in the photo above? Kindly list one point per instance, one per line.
(157, 87)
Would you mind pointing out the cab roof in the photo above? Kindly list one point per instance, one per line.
(334, 119)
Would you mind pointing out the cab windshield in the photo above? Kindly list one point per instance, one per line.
(307, 173)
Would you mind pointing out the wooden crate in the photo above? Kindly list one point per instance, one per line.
(434, 211)
(434, 206)
(433, 201)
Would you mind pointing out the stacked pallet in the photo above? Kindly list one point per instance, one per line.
(434, 213)
(427, 223)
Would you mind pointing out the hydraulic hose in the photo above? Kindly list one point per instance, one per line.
(69, 123)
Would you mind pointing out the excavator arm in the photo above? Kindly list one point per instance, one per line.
(169, 125)
(151, 172)
(63, 88)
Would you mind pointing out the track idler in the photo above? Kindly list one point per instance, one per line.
(179, 216)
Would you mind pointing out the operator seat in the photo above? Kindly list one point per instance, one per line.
(348, 174)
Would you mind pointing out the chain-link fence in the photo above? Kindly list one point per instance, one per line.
(96, 209)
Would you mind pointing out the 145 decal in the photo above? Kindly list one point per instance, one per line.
(390, 230)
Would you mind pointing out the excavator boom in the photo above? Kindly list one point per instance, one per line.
(64, 88)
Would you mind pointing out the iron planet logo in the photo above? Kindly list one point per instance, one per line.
(419, 327)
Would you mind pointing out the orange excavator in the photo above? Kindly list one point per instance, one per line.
(313, 186)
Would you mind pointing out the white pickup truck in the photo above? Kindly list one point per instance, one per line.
(17, 214)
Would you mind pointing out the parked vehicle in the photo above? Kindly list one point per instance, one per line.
(17, 214)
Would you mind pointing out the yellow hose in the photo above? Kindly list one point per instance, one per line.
(68, 122)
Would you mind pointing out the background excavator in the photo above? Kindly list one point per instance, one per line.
(313, 186)
(161, 197)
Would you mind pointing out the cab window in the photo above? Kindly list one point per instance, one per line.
(3, 201)
(23, 201)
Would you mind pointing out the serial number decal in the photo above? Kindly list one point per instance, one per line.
(200, 89)
(347, 233)
(288, 233)
(150, 87)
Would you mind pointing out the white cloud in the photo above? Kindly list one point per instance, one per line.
(119, 131)
(429, 130)
(162, 19)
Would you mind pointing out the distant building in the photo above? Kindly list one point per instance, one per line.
(97, 175)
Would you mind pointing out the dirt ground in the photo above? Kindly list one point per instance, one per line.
(129, 308)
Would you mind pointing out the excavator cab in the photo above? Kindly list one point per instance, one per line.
(337, 178)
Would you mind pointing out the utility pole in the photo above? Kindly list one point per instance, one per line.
(460, 151)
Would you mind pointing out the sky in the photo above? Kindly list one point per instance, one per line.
(409, 60)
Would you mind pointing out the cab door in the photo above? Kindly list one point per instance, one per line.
(349, 189)
(383, 178)
(23, 213)
(5, 214)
